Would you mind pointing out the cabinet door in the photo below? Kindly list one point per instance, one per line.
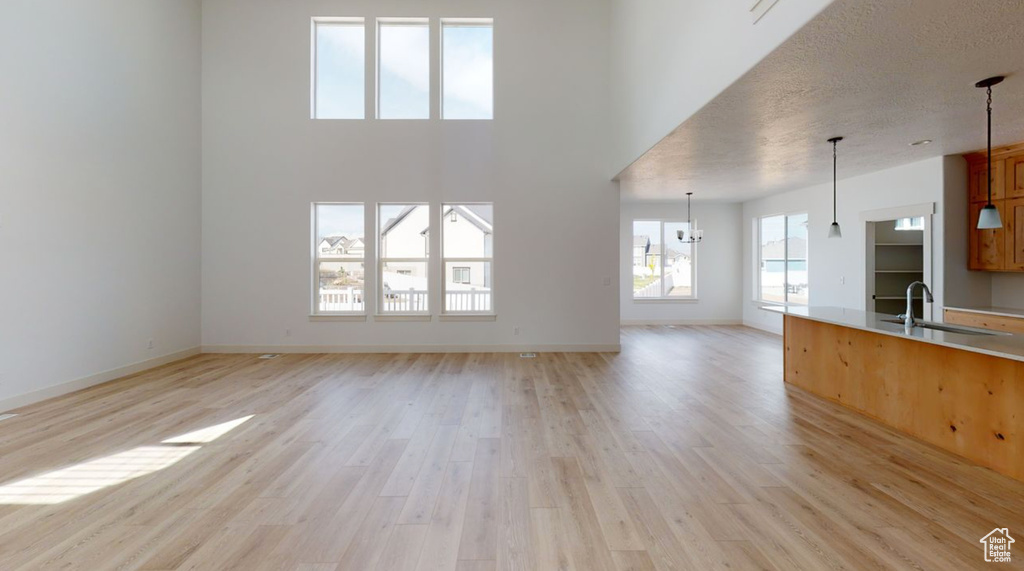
(1014, 177)
(978, 186)
(987, 247)
(1014, 223)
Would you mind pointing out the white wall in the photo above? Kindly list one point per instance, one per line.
(542, 161)
(830, 260)
(719, 269)
(671, 57)
(99, 189)
(1008, 290)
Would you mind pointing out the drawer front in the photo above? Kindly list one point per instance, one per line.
(984, 321)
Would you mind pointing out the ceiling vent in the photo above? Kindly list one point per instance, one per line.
(270, 356)
(527, 355)
(6, 416)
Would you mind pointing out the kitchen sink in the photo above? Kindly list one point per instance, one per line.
(949, 328)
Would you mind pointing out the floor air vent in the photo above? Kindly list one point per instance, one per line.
(270, 356)
(6, 416)
(527, 355)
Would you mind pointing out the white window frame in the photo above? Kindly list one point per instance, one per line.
(316, 258)
(693, 262)
(332, 21)
(381, 260)
(757, 261)
(464, 22)
(376, 80)
(445, 261)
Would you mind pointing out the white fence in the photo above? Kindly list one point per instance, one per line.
(467, 300)
(404, 301)
(653, 289)
(349, 299)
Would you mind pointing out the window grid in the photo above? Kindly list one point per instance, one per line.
(338, 285)
(782, 259)
(467, 258)
(660, 271)
(403, 230)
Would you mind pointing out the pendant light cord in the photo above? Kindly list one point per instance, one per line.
(989, 107)
(835, 164)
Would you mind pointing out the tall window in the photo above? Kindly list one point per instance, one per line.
(403, 68)
(783, 259)
(339, 258)
(339, 60)
(404, 231)
(467, 233)
(663, 267)
(467, 76)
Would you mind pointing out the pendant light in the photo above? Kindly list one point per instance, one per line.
(834, 231)
(695, 235)
(989, 218)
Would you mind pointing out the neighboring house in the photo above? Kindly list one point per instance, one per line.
(467, 235)
(641, 247)
(342, 246)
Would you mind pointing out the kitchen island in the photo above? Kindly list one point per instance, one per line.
(963, 393)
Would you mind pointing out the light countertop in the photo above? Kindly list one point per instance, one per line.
(1003, 345)
(1000, 311)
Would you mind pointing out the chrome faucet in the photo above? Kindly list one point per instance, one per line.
(908, 317)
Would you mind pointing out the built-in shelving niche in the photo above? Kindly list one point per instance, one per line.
(896, 259)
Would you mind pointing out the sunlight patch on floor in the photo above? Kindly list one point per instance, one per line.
(93, 475)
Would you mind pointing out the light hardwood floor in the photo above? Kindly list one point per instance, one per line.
(685, 451)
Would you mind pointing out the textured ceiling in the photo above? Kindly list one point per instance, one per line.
(882, 73)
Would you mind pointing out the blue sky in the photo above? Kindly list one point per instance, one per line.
(340, 69)
(404, 72)
(339, 220)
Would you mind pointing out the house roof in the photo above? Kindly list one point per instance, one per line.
(345, 241)
(391, 223)
(644, 241)
(474, 217)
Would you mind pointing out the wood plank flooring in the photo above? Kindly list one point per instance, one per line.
(685, 451)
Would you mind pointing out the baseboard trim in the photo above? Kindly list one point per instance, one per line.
(762, 327)
(25, 399)
(608, 348)
(627, 322)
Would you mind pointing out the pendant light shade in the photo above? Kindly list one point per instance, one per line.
(834, 231)
(989, 218)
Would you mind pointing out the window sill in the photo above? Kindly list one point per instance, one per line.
(666, 300)
(338, 317)
(402, 317)
(468, 317)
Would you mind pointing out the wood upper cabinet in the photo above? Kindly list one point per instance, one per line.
(1002, 249)
(978, 186)
(1013, 224)
(1014, 167)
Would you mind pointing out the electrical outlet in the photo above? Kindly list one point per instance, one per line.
(842, 280)
(150, 345)
(607, 281)
(515, 330)
(287, 332)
